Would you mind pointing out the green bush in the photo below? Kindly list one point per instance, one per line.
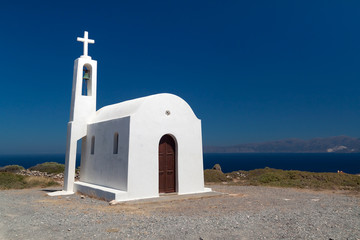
(11, 168)
(268, 178)
(49, 167)
(10, 180)
(14, 181)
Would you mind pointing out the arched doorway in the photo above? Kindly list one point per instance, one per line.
(167, 166)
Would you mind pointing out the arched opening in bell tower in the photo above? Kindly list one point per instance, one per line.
(86, 80)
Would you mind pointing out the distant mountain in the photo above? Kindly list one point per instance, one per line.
(340, 144)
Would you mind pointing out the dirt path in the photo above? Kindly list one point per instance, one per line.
(243, 213)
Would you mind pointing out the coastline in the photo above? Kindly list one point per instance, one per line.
(315, 162)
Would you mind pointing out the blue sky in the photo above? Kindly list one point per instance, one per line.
(252, 71)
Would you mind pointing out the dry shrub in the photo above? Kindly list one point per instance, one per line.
(298, 179)
(34, 181)
(211, 175)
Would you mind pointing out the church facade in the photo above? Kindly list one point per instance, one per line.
(135, 149)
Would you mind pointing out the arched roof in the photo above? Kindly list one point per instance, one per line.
(128, 108)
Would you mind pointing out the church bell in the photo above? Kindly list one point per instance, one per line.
(86, 75)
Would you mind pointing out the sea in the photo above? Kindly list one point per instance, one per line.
(313, 162)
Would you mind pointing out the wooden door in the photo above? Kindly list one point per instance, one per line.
(167, 165)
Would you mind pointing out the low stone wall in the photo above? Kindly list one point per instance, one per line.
(59, 177)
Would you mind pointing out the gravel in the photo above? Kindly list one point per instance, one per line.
(245, 212)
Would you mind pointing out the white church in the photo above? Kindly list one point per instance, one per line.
(136, 149)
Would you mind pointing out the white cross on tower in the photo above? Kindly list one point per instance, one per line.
(86, 41)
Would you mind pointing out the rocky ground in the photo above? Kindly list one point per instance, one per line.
(244, 212)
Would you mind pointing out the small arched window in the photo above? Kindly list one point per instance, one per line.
(92, 150)
(86, 80)
(116, 143)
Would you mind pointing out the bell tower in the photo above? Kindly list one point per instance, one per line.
(83, 106)
(83, 99)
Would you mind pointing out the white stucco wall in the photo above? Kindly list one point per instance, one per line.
(104, 167)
